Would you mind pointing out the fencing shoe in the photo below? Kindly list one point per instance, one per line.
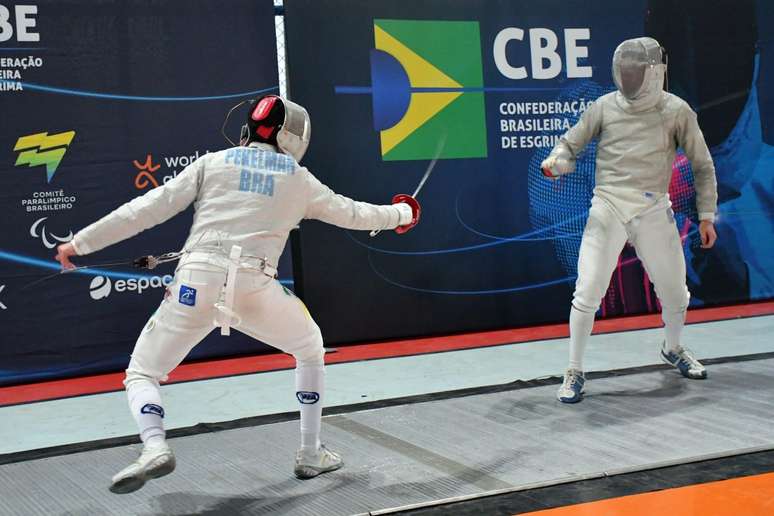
(154, 462)
(311, 464)
(684, 361)
(571, 390)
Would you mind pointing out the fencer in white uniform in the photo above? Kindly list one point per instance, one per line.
(639, 128)
(246, 201)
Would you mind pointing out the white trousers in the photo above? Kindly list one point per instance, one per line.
(657, 242)
(265, 310)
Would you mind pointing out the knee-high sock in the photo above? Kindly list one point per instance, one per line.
(145, 404)
(674, 320)
(310, 386)
(581, 324)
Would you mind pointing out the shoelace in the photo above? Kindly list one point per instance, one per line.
(688, 357)
(327, 455)
(570, 380)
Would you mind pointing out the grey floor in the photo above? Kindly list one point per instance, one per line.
(425, 451)
(32, 426)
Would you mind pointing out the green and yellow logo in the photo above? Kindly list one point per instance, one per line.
(42, 149)
(427, 89)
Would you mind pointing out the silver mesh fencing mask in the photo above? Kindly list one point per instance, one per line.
(639, 67)
(293, 138)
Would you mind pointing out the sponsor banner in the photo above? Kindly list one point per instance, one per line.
(101, 286)
(487, 87)
(102, 102)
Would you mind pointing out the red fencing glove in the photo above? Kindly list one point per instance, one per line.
(416, 209)
(547, 165)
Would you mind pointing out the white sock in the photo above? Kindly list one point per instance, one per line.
(581, 324)
(310, 383)
(155, 440)
(145, 404)
(674, 321)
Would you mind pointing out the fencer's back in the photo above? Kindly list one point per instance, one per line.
(248, 196)
(244, 196)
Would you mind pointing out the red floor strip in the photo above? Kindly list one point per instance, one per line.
(261, 363)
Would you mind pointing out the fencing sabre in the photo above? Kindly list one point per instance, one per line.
(143, 262)
(422, 181)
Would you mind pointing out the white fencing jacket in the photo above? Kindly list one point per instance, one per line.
(246, 196)
(636, 149)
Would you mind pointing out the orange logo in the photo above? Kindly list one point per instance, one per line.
(145, 176)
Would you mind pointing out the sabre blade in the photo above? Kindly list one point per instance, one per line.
(75, 269)
(422, 181)
(424, 178)
(143, 262)
(430, 167)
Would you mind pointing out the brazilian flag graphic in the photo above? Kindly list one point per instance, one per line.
(427, 89)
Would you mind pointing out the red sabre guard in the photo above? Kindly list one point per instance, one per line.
(416, 210)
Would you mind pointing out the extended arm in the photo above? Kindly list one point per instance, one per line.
(326, 205)
(139, 214)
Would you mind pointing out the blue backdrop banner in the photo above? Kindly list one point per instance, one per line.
(100, 102)
(487, 87)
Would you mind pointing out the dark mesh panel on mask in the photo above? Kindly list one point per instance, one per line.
(629, 68)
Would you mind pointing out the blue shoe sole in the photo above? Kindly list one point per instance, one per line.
(576, 399)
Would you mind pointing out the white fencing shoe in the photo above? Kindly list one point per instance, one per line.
(311, 464)
(571, 390)
(684, 361)
(154, 462)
